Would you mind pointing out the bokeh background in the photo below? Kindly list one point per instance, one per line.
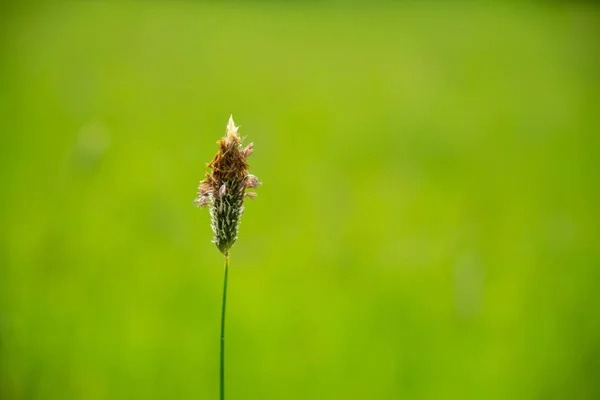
(428, 227)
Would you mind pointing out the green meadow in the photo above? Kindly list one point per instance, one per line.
(427, 228)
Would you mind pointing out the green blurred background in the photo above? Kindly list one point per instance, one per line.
(428, 227)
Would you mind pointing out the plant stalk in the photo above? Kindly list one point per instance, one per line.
(222, 373)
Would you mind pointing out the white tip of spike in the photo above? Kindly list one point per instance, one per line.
(232, 129)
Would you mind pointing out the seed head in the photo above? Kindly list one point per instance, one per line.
(224, 187)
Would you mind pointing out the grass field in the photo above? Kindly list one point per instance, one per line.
(428, 227)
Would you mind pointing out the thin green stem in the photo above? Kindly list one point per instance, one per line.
(222, 380)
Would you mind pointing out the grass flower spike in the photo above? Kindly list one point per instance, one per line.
(224, 188)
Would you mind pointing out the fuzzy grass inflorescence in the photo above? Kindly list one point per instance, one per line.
(224, 191)
(224, 188)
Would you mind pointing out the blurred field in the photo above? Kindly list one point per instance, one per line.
(427, 229)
